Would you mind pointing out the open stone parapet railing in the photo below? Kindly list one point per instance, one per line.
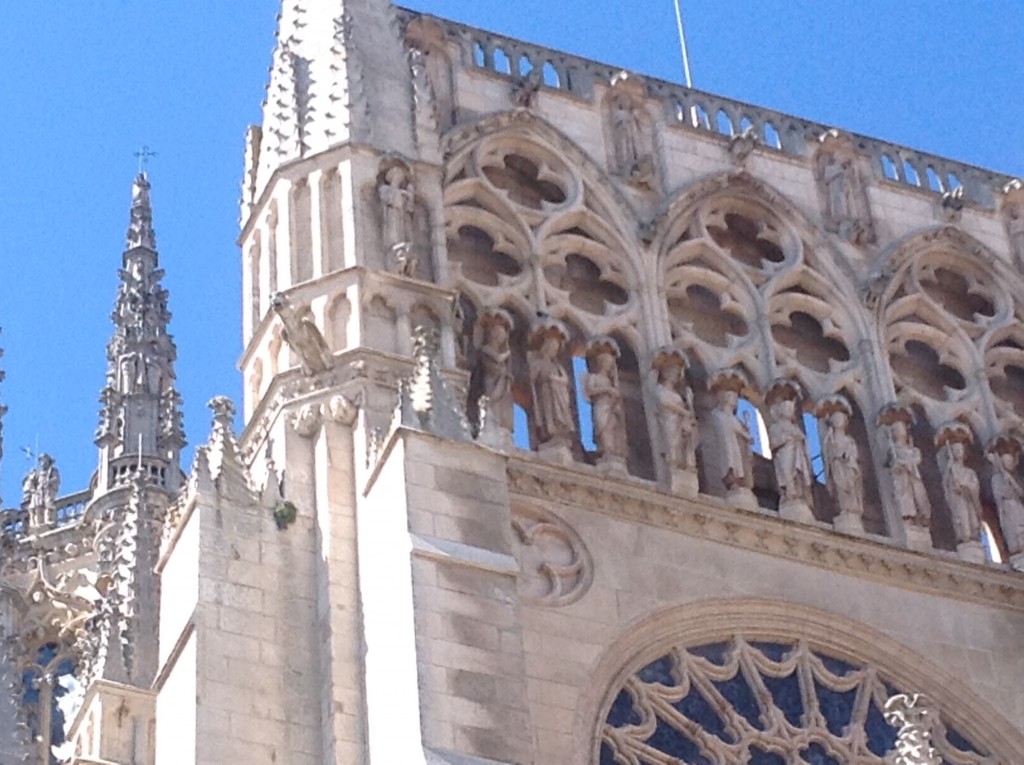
(697, 110)
(69, 508)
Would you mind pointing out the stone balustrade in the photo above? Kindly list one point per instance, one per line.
(697, 110)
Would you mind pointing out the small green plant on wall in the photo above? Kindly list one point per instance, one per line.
(285, 514)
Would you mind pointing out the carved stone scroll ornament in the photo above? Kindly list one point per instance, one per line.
(677, 417)
(912, 715)
(525, 89)
(397, 197)
(303, 336)
(904, 462)
(1008, 493)
(494, 365)
(601, 389)
(731, 437)
(843, 474)
(554, 423)
(555, 568)
(962, 489)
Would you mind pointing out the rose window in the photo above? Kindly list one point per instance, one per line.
(759, 703)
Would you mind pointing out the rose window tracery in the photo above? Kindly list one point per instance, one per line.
(748, 702)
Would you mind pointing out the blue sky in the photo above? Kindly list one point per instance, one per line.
(89, 83)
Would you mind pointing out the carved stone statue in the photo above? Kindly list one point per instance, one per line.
(904, 462)
(494, 365)
(626, 132)
(839, 188)
(675, 409)
(1015, 231)
(789, 452)
(843, 474)
(732, 437)
(39, 493)
(631, 157)
(601, 389)
(960, 485)
(303, 336)
(1008, 494)
(842, 192)
(398, 210)
(552, 388)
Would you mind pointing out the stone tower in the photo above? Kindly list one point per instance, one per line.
(588, 418)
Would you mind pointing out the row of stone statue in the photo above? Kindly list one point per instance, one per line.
(731, 437)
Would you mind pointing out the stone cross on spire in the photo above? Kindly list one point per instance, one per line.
(140, 417)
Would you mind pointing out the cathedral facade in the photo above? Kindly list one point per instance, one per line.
(588, 419)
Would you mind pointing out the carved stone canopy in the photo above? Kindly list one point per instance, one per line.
(544, 328)
(834, 403)
(892, 413)
(783, 389)
(954, 432)
(734, 379)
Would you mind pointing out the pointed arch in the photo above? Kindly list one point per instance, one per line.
(735, 235)
(833, 634)
(948, 310)
(532, 195)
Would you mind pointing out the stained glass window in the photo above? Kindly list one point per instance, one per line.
(759, 703)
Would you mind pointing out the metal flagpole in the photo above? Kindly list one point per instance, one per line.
(682, 43)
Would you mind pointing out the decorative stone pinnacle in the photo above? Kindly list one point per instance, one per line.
(223, 414)
(425, 400)
(140, 228)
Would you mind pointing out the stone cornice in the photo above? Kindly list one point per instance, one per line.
(711, 518)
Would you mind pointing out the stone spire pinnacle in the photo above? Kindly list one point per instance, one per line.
(140, 228)
(140, 426)
(339, 73)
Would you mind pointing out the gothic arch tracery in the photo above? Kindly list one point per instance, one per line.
(765, 682)
(732, 236)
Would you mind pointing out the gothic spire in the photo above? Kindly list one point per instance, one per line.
(140, 415)
(339, 73)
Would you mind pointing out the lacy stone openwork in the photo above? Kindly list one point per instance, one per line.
(759, 703)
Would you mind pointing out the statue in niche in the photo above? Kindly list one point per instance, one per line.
(398, 212)
(302, 335)
(843, 195)
(601, 389)
(732, 435)
(1014, 212)
(1008, 492)
(789, 452)
(959, 482)
(676, 411)
(839, 187)
(626, 132)
(552, 387)
(843, 473)
(39, 493)
(631, 156)
(904, 462)
(494, 365)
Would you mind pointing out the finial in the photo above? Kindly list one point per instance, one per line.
(223, 409)
(140, 226)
